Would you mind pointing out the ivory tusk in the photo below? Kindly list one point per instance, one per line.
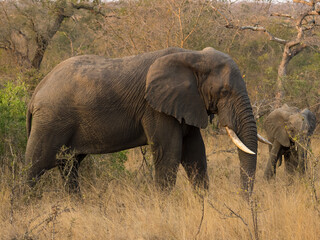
(263, 140)
(237, 141)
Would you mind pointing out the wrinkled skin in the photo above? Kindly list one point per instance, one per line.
(96, 105)
(289, 131)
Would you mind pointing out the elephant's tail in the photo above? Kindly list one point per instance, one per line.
(29, 120)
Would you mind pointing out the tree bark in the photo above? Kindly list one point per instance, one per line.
(43, 41)
(291, 49)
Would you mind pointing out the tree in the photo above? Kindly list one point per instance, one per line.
(29, 26)
(151, 25)
(303, 22)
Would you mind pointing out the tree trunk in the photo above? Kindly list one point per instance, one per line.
(43, 40)
(282, 73)
(291, 49)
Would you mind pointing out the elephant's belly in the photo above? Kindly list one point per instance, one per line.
(107, 140)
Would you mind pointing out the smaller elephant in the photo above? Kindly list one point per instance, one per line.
(289, 130)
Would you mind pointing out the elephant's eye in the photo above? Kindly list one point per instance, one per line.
(224, 92)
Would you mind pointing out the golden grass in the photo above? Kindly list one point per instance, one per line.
(130, 208)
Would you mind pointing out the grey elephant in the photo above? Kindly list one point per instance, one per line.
(96, 105)
(289, 131)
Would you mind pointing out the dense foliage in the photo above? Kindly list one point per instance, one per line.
(13, 97)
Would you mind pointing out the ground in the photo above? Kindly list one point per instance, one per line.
(129, 207)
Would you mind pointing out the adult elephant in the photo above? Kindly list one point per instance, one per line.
(289, 130)
(97, 105)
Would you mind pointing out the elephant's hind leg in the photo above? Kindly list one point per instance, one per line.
(43, 145)
(194, 158)
(39, 157)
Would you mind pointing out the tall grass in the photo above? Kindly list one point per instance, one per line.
(127, 206)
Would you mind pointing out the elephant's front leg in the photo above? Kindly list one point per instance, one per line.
(164, 134)
(194, 158)
(274, 152)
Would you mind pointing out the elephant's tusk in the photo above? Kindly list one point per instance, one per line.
(263, 140)
(235, 139)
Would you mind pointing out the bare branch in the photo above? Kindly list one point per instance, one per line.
(93, 8)
(202, 216)
(281, 15)
(70, 40)
(252, 28)
(196, 23)
(233, 150)
(259, 29)
(232, 214)
(298, 49)
(218, 11)
(311, 3)
(236, 215)
(314, 12)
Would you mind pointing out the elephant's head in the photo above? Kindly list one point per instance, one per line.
(289, 124)
(191, 85)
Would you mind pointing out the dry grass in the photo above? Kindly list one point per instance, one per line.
(130, 208)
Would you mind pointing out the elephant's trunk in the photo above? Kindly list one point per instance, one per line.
(246, 130)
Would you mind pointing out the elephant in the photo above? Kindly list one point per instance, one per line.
(289, 130)
(98, 105)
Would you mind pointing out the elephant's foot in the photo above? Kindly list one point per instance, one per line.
(269, 175)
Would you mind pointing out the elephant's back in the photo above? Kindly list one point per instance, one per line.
(90, 79)
(79, 71)
(81, 80)
(101, 70)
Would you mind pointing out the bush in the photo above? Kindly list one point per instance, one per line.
(105, 167)
(13, 97)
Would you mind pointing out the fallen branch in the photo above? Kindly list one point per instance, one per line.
(233, 150)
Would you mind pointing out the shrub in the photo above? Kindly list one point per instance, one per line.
(13, 97)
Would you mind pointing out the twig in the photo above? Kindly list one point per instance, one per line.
(145, 162)
(312, 180)
(252, 28)
(202, 216)
(281, 15)
(195, 25)
(56, 211)
(233, 150)
(218, 11)
(311, 3)
(70, 40)
(232, 214)
(236, 214)
(14, 156)
(96, 9)
(254, 214)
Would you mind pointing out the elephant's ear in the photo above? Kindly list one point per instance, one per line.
(172, 88)
(311, 119)
(276, 124)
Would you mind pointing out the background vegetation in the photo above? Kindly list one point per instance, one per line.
(119, 200)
